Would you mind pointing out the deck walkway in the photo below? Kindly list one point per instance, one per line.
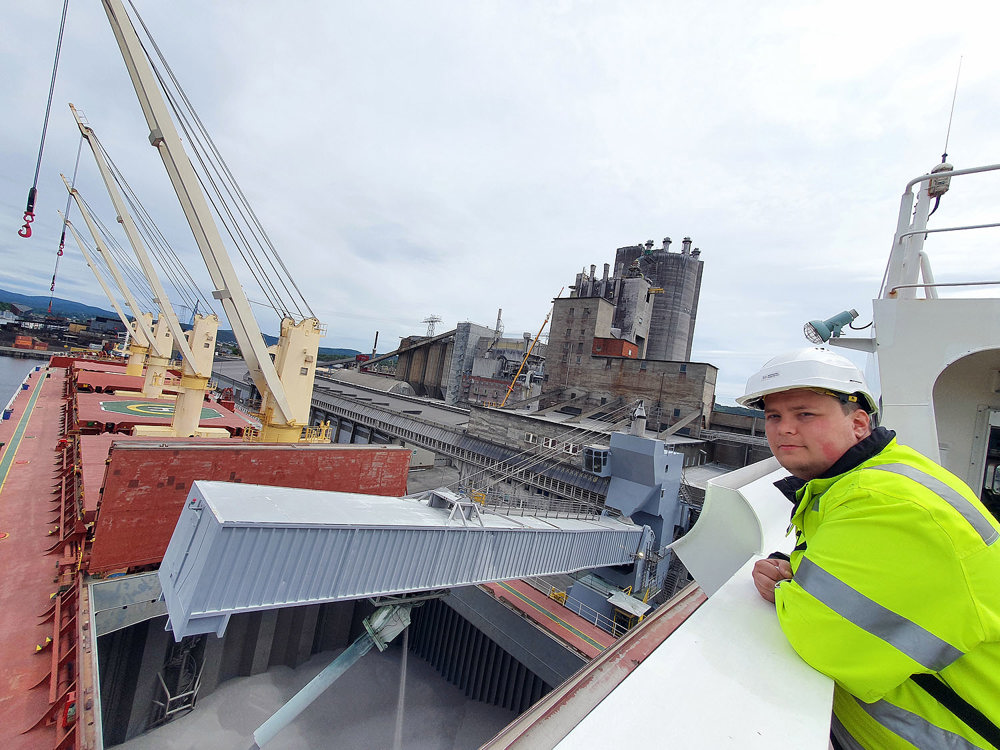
(551, 616)
(26, 515)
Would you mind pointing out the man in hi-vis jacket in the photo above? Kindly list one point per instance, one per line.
(893, 588)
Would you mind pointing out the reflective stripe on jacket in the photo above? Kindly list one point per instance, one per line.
(897, 572)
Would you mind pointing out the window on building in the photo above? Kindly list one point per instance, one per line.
(530, 437)
(571, 448)
(579, 348)
(586, 312)
(550, 442)
(569, 331)
(677, 412)
(578, 360)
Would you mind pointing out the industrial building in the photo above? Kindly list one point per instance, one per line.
(622, 336)
(676, 277)
(628, 336)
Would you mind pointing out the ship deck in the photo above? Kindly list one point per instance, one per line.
(106, 412)
(26, 518)
(560, 622)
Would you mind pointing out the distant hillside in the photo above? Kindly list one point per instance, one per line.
(69, 309)
(228, 337)
(64, 307)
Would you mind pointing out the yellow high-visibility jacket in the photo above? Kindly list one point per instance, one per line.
(896, 572)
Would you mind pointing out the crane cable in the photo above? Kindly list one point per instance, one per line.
(62, 238)
(125, 261)
(527, 459)
(170, 264)
(218, 182)
(29, 211)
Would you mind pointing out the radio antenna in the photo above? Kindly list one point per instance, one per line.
(951, 115)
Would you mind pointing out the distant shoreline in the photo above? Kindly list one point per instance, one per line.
(9, 351)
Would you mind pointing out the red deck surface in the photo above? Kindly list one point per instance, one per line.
(26, 517)
(109, 377)
(101, 365)
(98, 410)
(565, 625)
(147, 480)
(86, 363)
(108, 382)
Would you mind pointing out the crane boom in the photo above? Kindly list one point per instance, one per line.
(137, 349)
(132, 232)
(527, 354)
(158, 347)
(163, 136)
(142, 329)
(93, 267)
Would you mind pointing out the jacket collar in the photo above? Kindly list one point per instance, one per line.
(856, 455)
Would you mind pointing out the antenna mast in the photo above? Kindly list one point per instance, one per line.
(951, 115)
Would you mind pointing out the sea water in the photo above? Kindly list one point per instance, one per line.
(12, 372)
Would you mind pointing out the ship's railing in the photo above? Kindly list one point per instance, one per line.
(599, 619)
(509, 503)
(909, 267)
(319, 433)
(588, 613)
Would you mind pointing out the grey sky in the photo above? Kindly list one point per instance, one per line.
(453, 158)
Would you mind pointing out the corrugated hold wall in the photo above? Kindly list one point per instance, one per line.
(471, 661)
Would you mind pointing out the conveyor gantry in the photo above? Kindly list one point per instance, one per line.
(240, 548)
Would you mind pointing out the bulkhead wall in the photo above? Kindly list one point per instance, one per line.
(964, 394)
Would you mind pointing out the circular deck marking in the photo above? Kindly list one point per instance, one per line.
(151, 409)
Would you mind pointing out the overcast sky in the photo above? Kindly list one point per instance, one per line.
(454, 158)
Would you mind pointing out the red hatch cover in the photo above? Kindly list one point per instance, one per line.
(147, 481)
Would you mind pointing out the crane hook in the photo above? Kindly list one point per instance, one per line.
(25, 231)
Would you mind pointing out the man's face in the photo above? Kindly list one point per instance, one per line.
(808, 431)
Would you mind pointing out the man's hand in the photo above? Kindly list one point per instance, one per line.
(767, 574)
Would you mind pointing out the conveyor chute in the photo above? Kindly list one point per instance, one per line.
(239, 548)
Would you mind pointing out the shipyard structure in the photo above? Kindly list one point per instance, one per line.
(543, 486)
(620, 336)
(587, 434)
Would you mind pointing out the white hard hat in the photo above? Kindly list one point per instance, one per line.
(815, 368)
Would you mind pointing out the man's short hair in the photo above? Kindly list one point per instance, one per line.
(850, 407)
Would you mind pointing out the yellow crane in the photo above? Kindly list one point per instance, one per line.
(527, 354)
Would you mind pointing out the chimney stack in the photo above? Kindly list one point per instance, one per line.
(639, 421)
(686, 249)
